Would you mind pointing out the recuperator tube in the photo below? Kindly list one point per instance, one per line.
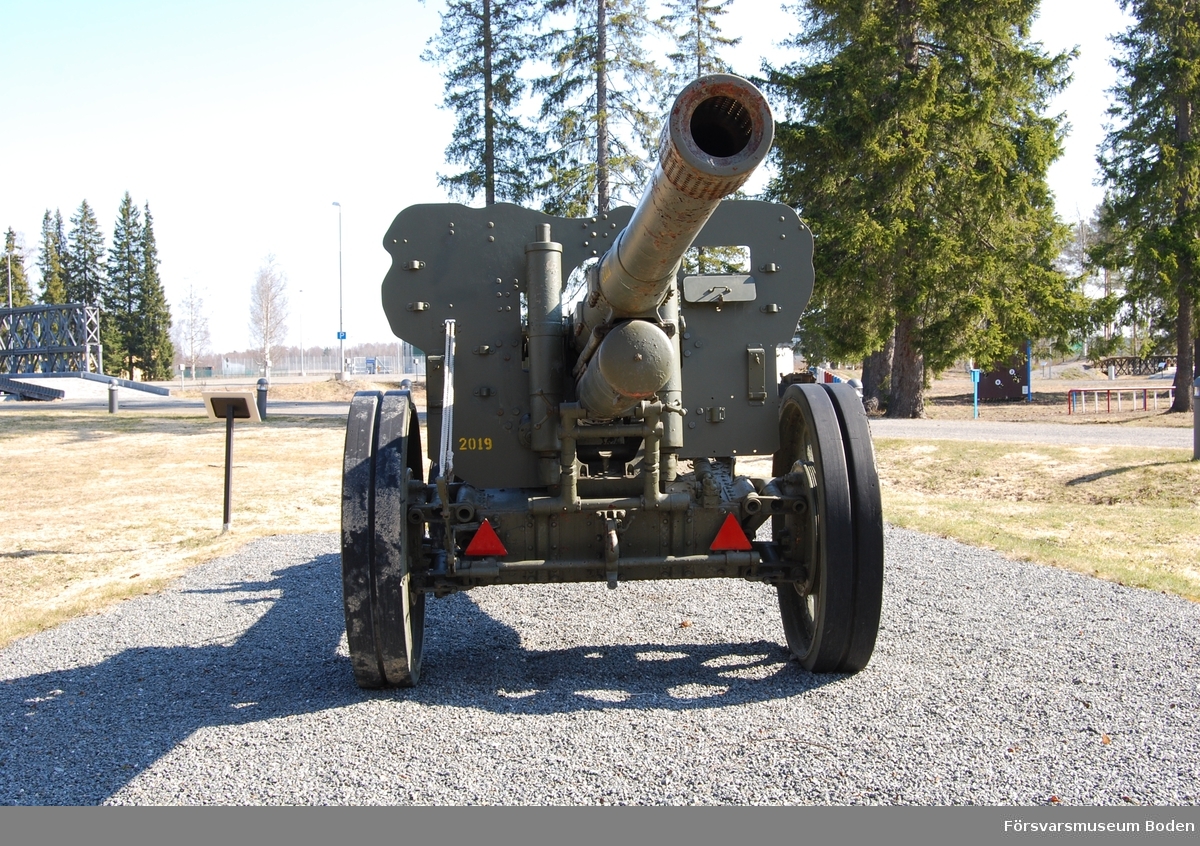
(634, 362)
(543, 264)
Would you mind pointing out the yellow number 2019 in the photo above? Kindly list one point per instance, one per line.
(465, 444)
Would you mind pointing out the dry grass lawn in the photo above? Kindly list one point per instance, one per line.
(1125, 514)
(326, 390)
(101, 507)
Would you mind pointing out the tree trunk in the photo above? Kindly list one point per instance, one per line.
(1183, 349)
(602, 189)
(1183, 285)
(907, 390)
(907, 13)
(877, 375)
(1135, 329)
(489, 118)
(907, 398)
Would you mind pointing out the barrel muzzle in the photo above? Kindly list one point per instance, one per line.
(718, 131)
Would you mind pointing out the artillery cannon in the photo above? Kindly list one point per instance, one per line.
(598, 440)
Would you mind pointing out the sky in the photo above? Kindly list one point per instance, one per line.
(242, 122)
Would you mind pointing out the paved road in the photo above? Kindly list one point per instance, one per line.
(86, 395)
(1091, 434)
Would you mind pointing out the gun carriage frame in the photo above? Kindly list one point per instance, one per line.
(600, 443)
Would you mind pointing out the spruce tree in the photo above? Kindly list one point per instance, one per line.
(695, 26)
(483, 46)
(84, 259)
(151, 341)
(12, 271)
(917, 150)
(1150, 161)
(121, 300)
(52, 258)
(599, 105)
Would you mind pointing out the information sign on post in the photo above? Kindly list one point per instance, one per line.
(341, 336)
(230, 406)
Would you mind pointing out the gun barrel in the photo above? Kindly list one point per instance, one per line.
(718, 131)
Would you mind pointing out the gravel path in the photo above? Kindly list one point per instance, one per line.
(994, 682)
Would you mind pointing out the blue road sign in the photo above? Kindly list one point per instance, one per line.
(341, 336)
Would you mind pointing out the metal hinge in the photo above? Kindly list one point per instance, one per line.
(756, 375)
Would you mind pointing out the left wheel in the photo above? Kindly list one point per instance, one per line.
(385, 617)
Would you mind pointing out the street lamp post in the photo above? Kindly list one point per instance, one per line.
(341, 329)
(302, 373)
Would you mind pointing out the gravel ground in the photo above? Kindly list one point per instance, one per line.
(994, 682)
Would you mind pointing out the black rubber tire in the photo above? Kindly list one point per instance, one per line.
(867, 514)
(358, 536)
(385, 619)
(818, 612)
(398, 610)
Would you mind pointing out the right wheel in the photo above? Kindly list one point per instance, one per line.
(866, 513)
(818, 609)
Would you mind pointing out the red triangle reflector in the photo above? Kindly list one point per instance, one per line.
(731, 538)
(487, 542)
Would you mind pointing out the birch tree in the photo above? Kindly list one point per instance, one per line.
(192, 337)
(268, 312)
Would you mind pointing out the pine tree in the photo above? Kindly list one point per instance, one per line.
(84, 261)
(483, 46)
(121, 300)
(153, 350)
(1150, 160)
(12, 269)
(594, 106)
(696, 28)
(918, 154)
(52, 258)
